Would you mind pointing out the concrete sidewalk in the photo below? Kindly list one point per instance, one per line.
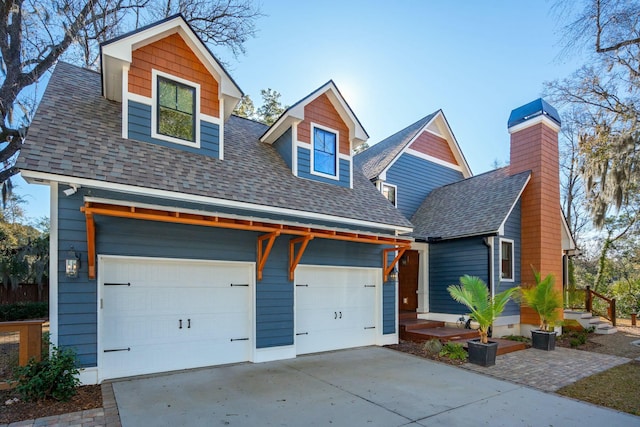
(367, 386)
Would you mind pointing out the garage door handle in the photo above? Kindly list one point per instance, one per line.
(302, 333)
(240, 284)
(302, 286)
(117, 349)
(188, 323)
(335, 315)
(117, 284)
(239, 339)
(369, 327)
(369, 286)
(180, 323)
(341, 315)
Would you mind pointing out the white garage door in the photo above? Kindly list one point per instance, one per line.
(335, 308)
(163, 315)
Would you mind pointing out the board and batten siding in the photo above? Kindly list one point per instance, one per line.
(274, 305)
(448, 261)
(283, 147)
(415, 179)
(512, 232)
(139, 126)
(304, 169)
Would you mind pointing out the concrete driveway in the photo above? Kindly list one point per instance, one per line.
(361, 387)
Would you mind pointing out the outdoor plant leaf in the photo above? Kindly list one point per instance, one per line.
(474, 293)
(544, 299)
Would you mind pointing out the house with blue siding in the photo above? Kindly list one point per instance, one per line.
(184, 236)
(496, 225)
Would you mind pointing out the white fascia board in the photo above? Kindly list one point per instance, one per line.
(42, 177)
(120, 51)
(435, 160)
(536, 120)
(568, 242)
(279, 127)
(453, 145)
(53, 263)
(515, 202)
(406, 147)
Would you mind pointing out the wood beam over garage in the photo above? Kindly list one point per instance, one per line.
(175, 216)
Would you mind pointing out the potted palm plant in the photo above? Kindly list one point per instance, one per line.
(546, 301)
(474, 293)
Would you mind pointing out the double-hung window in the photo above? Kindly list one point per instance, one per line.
(506, 258)
(325, 152)
(176, 110)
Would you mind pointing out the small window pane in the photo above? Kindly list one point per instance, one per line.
(176, 109)
(324, 151)
(507, 260)
(390, 193)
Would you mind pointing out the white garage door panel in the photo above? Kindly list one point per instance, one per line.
(335, 308)
(143, 319)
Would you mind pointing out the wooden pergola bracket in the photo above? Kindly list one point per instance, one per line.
(90, 209)
(263, 254)
(386, 269)
(294, 258)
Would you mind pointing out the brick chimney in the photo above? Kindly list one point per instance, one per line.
(534, 131)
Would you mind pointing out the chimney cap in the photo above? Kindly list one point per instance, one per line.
(531, 110)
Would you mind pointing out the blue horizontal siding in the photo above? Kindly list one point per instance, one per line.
(415, 179)
(139, 128)
(283, 147)
(511, 231)
(274, 312)
(450, 260)
(304, 170)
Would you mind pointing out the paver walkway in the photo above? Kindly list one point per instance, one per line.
(543, 370)
(548, 370)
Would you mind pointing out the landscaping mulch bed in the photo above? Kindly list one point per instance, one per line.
(88, 397)
(417, 349)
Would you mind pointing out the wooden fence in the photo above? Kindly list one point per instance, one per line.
(24, 293)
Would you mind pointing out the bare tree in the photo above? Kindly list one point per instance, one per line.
(608, 93)
(34, 34)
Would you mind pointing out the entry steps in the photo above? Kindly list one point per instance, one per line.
(588, 320)
(419, 330)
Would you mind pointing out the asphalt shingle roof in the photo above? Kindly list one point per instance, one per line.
(474, 206)
(77, 132)
(376, 158)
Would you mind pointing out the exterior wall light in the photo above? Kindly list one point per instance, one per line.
(72, 264)
(393, 276)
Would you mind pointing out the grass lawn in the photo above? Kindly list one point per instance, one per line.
(616, 388)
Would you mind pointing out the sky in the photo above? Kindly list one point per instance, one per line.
(396, 62)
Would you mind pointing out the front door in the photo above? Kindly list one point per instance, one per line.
(408, 280)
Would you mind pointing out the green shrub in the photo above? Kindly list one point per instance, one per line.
(574, 342)
(23, 311)
(433, 346)
(518, 338)
(55, 377)
(453, 351)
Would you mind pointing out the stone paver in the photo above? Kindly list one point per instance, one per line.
(548, 370)
(106, 416)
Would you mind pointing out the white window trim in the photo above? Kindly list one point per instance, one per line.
(154, 109)
(312, 170)
(395, 189)
(513, 261)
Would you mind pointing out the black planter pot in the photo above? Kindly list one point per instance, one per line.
(482, 354)
(543, 340)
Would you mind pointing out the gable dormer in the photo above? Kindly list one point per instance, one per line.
(173, 90)
(316, 137)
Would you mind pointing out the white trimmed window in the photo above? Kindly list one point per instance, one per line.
(324, 158)
(175, 108)
(507, 264)
(389, 191)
